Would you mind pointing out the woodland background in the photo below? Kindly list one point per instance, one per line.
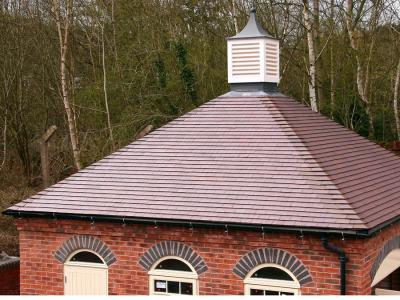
(107, 71)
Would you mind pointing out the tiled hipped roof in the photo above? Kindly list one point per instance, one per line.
(255, 160)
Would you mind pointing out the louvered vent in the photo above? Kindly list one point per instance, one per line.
(253, 56)
(271, 58)
(246, 59)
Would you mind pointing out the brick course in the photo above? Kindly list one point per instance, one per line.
(42, 273)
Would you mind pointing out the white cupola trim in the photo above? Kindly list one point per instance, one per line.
(253, 55)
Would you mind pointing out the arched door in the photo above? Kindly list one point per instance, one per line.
(85, 273)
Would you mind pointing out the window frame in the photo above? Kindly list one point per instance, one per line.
(170, 275)
(68, 262)
(271, 284)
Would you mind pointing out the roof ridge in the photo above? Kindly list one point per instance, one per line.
(291, 128)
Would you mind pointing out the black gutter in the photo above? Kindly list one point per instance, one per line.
(342, 260)
(382, 226)
(173, 222)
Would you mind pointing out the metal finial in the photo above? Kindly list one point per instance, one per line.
(253, 28)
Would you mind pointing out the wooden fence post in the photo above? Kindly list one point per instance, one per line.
(44, 154)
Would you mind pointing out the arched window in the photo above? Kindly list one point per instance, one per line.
(87, 257)
(271, 279)
(173, 276)
(85, 273)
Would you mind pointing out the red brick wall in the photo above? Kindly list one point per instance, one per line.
(41, 273)
(9, 280)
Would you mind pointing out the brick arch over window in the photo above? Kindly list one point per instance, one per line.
(83, 242)
(272, 256)
(389, 246)
(171, 248)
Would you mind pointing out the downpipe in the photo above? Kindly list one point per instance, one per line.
(342, 260)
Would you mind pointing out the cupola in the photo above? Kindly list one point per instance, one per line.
(253, 58)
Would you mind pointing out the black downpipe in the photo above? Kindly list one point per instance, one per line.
(342, 259)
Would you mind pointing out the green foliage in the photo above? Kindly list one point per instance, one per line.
(161, 73)
(186, 73)
(162, 59)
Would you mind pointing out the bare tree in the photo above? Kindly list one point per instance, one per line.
(4, 140)
(63, 23)
(396, 99)
(353, 16)
(234, 16)
(103, 60)
(309, 25)
(331, 58)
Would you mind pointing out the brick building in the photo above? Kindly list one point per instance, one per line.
(251, 193)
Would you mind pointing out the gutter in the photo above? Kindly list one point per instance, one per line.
(381, 226)
(342, 260)
(172, 222)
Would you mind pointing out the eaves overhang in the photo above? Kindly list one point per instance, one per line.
(226, 226)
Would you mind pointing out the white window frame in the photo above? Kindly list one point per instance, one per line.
(169, 275)
(271, 284)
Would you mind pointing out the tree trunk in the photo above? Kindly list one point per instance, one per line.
(63, 39)
(4, 140)
(396, 99)
(317, 48)
(362, 77)
(332, 67)
(103, 59)
(235, 23)
(311, 56)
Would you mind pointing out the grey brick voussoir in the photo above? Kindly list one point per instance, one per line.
(255, 258)
(84, 242)
(172, 248)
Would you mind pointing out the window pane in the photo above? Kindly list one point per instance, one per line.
(160, 286)
(271, 293)
(272, 273)
(173, 264)
(86, 256)
(173, 287)
(186, 288)
(287, 294)
(255, 292)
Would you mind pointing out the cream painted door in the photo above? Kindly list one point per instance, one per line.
(85, 279)
(386, 292)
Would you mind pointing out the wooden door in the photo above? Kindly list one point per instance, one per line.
(85, 279)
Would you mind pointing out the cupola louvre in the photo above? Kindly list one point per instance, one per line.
(253, 58)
